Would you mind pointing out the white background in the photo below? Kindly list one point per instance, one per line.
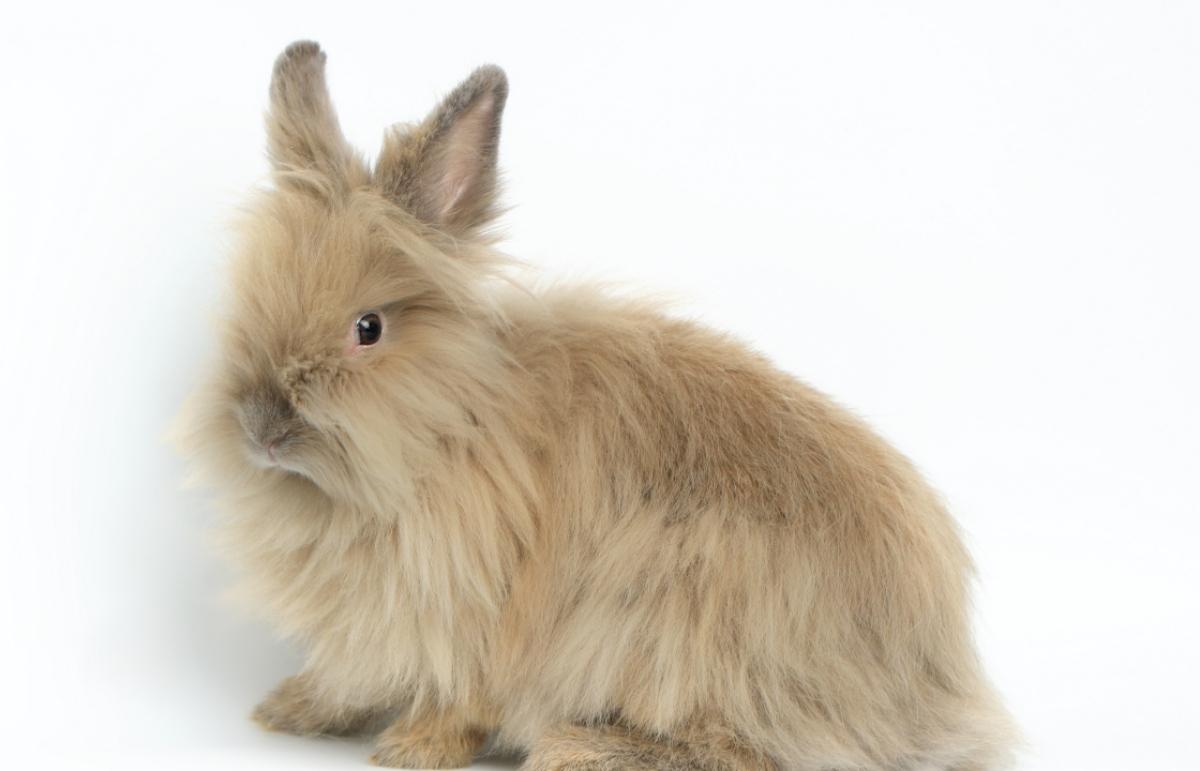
(974, 224)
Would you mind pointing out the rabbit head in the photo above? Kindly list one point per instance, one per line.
(357, 320)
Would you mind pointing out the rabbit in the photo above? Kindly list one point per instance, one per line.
(604, 536)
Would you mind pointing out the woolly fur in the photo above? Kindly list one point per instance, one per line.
(611, 538)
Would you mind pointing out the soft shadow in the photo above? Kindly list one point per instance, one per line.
(236, 659)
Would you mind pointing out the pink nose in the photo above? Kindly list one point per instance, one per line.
(271, 450)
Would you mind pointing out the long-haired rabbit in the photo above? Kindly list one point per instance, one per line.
(608, 537)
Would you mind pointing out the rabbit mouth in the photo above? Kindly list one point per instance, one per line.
(275, 452)
(276, 449)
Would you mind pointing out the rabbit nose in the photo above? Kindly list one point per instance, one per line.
(266, 416)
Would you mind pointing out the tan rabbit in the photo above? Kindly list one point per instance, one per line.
(610, 538)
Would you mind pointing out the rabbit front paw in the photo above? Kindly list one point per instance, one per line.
(453, 751)
(432, 742)
(294, 708)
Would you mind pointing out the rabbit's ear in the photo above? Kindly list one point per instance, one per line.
(302, 129)
(444, 169)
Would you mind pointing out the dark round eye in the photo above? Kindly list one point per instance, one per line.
(368, 329)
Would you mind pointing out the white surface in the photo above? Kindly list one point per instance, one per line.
(977, 227)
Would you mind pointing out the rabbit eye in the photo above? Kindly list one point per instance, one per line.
(368, 329)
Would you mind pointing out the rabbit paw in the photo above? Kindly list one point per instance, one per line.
(450, 751)
(432, 741)
(292, 708)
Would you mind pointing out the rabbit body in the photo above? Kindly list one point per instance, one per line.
(609, 537)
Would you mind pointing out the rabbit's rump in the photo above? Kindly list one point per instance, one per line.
(731, 548)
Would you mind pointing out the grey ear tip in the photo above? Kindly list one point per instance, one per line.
(491, 76)
(298, 54)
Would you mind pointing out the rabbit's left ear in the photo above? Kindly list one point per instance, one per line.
(443, 170)
(302, 128)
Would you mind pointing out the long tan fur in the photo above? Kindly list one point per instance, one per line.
(611, 538)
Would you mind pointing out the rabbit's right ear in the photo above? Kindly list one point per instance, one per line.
(302, 129)
(443, 170)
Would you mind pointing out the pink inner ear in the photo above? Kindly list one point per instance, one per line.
(462, 157)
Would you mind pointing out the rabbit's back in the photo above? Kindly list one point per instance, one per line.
(716, 537)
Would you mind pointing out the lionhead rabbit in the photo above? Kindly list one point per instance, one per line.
(610, 538)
